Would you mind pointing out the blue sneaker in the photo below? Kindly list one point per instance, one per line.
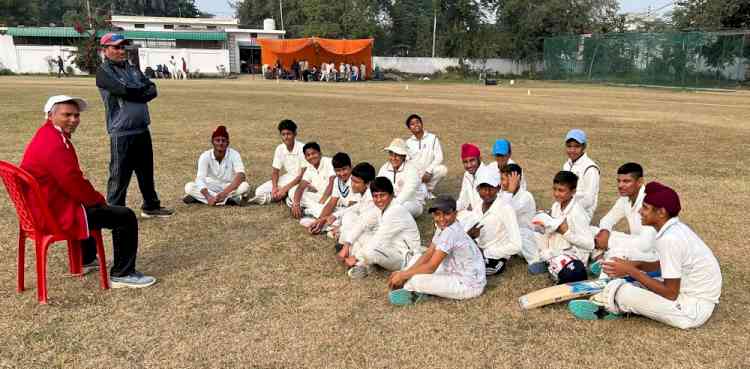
(595, 268)
(587, 310)
(403, 297)
(132, 280)
(537, 268)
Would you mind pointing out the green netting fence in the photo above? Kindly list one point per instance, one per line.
(694, 59)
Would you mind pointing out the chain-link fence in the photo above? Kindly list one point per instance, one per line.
(694, 59)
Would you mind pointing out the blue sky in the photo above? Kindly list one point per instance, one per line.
(222, 8)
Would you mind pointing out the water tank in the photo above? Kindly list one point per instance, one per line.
(269, 24)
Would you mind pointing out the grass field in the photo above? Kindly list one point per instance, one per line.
(246, 287)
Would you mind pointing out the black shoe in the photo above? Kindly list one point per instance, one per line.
(495, 266)
(160, 212)
(190, 200)
(338, 247)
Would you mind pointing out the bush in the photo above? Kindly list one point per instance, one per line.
(6, 72)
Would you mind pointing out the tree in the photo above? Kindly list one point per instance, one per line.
(528, 22)
(15, 12)
(711, 14)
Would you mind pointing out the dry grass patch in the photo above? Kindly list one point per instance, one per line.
(248, 288)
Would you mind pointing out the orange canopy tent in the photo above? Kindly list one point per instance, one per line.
(316, 51)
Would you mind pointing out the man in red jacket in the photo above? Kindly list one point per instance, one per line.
(51, 159)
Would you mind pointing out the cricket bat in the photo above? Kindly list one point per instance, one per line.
(565, 292)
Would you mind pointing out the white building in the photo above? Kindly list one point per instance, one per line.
(208, 45)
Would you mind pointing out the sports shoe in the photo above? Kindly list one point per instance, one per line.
(246, 199)
(589, 310)
(190, 200)
(358, 271)
(595, 269)
(307, 222)
(402, 297)
(538, 267)
(132, 280)
(161, 212)
(495, 266)
(338, 247)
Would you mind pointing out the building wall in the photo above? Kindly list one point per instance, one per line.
(198, 60)
(35, 59)
(8, 57)
(434, 65)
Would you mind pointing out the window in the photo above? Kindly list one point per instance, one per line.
(169, 26)
(184, 26)
(140, 25)
(210, 27)
(253, 35)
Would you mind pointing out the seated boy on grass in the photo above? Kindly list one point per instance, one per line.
(566, 244)
(452, 267)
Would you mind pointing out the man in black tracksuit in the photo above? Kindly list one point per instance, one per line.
(125, 92)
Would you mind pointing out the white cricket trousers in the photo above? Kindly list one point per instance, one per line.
(442, 284)
(310, 201)
(263, 192)
(389, 257)
(684, 313)
(214, 187)
(438, 173)
(415, 208)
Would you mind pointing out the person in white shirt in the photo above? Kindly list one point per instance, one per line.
(410, 192)
(354, 219)
(587, 194)
(566, 242)
(690, 285)
(426, 154)
(362, 72)
(468, 198)
(638, 243)
(341, 196)
(502, 151)
(494, 226)
(524, 205)
(221, 175)
(452, 267)
(396, 239)
(315, 187)
(288, 156)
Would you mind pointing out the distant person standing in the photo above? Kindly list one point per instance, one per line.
(60, 67)
(125, 92)
(184, 69)
(173, 68)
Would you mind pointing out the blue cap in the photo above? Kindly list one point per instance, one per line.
(501, 147)
(576, 134)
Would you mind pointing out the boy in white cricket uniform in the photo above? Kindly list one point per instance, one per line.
(566, 243)
(288, 156)
(524, 205)
(494, 226)
(587, 194)
(638, 243)
(315, 187)
(396, 239)
(426, 153)
(358, 218)
(410, 192)
(221, 175)
(468, 198)
(691, 286)
(341, 197)
(503, 152)
(452, 267)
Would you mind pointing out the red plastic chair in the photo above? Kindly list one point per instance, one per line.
(36, 222)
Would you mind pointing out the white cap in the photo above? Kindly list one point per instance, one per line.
(397, 146)
(82, 104)
(488, 175)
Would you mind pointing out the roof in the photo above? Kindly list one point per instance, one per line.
(135, 35)
(175, 20)
(44, 32)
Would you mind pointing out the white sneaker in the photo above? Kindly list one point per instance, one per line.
(307, 222)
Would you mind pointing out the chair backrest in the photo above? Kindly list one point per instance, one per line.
(31, 207)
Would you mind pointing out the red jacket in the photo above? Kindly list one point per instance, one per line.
(51, 159)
